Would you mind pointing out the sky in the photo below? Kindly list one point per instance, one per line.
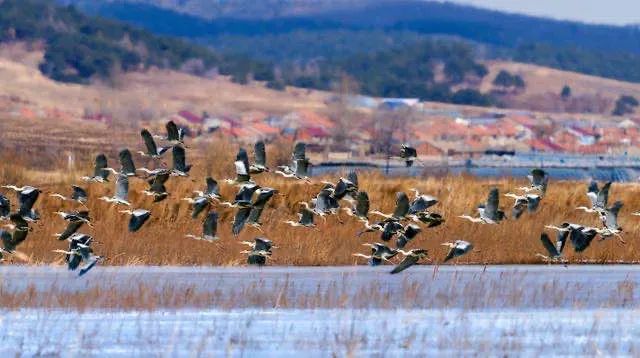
(615, 12)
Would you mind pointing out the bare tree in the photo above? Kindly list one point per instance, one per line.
(390, 125)
(341, 112)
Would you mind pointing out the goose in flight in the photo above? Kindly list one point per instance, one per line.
(80, 251)
(401, 210)
(27, 197)
(609, 219)
(10, 241)
(407, 234)
(198, 205)
(369, 227)
(209, 228)
(76, 221)
(100, 173)
(598, 197)
(152, 150)
(554, 252)
(529, 202)
(5, 207)
(243, 169)
(490, 212)
(180, 166)
(250, 213)
(428, 218)
(211, 192)
(127, 167)
(421, 202)
(539, 180)
(76, 216)
(157, 189)
(299, 168)
(409, 154)
(360, 209)
(410, 258)
(579, 235)
(389, 229)
(122, 191)
(244, 196)
(305, 217)
(137, 218)
(260, 163)
(344, 189)
(174, 135)
(325, 202)
(379, 254)
(260, 250)
(78, 195)
(457, 249)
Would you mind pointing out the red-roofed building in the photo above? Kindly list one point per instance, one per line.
(191, 117)
(545, 145)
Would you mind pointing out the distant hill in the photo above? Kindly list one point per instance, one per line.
(79, 48)
(280, 30)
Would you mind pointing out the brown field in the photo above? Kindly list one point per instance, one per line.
(154, 92)
(590, 94)
(161, 241)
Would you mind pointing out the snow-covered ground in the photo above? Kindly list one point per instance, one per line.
(281, 333)
(321, 311)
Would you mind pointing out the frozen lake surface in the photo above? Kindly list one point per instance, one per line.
(323, 311)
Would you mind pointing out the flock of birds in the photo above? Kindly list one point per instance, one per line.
(403, 224)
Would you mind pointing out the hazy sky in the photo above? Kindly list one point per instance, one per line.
(618, 12)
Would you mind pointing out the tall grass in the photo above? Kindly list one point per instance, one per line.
(161, 241)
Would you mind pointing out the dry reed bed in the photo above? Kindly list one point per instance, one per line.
(427, 290)
(161, 241)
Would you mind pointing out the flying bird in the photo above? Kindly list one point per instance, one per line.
(157, 188)
(409, 154)
(401, 210)
(305, 217)
(122, 191)
(209, 228)
(598, 197)
(529, 202)
(489, 212)
(100, 173)
(457, 249)
(539, 180)
(379, 254)
(5, 207)
(27, 197)
(78, 195)
(299, 168)
(360, 208)
(260, 250)
(180, 166)
(137, 218)
(554, 251)
(411, 258)
(260, 163)
(80, 251)
(198, 205)
(152, 149)
(212, 191)
(407, 234)
(243, 169)
(249, 212)
(10, 241)
(174, 135)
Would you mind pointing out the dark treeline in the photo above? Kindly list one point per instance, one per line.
(392, 49)
(79, 47)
